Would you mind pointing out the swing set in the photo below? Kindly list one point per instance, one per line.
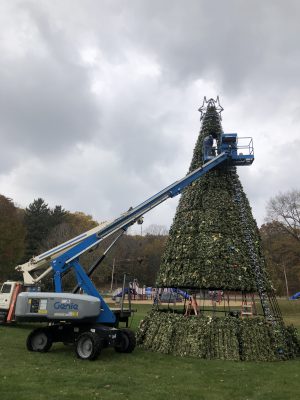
(197, 302)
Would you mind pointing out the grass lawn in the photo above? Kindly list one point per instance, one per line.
(59, 375)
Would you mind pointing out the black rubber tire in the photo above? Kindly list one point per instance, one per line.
(88, 346)
(128, 341)
(39, 340)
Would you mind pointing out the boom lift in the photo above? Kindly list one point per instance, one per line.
(86, 319)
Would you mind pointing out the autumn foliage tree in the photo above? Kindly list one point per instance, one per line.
(281, 237)
(12, 237)
(38, 228)
(66, 227)
(137, 256)
(282, 252)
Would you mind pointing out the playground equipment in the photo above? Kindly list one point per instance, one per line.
(85, 319)
(134, 290)
(296, 296)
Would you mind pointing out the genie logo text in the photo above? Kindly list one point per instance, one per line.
(65, 306)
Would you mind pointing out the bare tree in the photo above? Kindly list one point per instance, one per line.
(157, 230)
(285, 209)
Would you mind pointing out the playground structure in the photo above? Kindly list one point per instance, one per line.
(213, 302)
(134, 291)
(296, 296)
(210, 302)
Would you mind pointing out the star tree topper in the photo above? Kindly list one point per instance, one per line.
(210, 103)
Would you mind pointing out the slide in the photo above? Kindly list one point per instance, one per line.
(296, 296)
(185, 295)
(119, 292)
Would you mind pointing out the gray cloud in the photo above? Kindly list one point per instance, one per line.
(45, 101)
(98, 99)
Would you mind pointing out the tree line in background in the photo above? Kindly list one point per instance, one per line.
(29, 232)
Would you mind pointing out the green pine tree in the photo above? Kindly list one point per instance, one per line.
(39, 220)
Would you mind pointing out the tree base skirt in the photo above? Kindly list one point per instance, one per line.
(223, 338)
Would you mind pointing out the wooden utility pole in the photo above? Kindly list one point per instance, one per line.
(286, 282)
(112, 275)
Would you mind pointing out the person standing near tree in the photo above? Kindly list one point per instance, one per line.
(192, 305)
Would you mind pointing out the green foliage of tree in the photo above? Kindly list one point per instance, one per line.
(214, 243)
(226, 338)
(207, 245)
(12, 236)
(39, 220)
(37, 223)
(57, 216)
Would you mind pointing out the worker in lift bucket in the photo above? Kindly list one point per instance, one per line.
(208, 143)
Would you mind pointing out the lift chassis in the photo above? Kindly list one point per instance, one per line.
(89, 339)
(72, 319)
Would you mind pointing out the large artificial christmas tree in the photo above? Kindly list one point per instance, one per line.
(213, 254)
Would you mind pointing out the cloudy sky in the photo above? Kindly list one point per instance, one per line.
(99, 99)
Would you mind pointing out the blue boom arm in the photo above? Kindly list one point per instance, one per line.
(70, 258)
